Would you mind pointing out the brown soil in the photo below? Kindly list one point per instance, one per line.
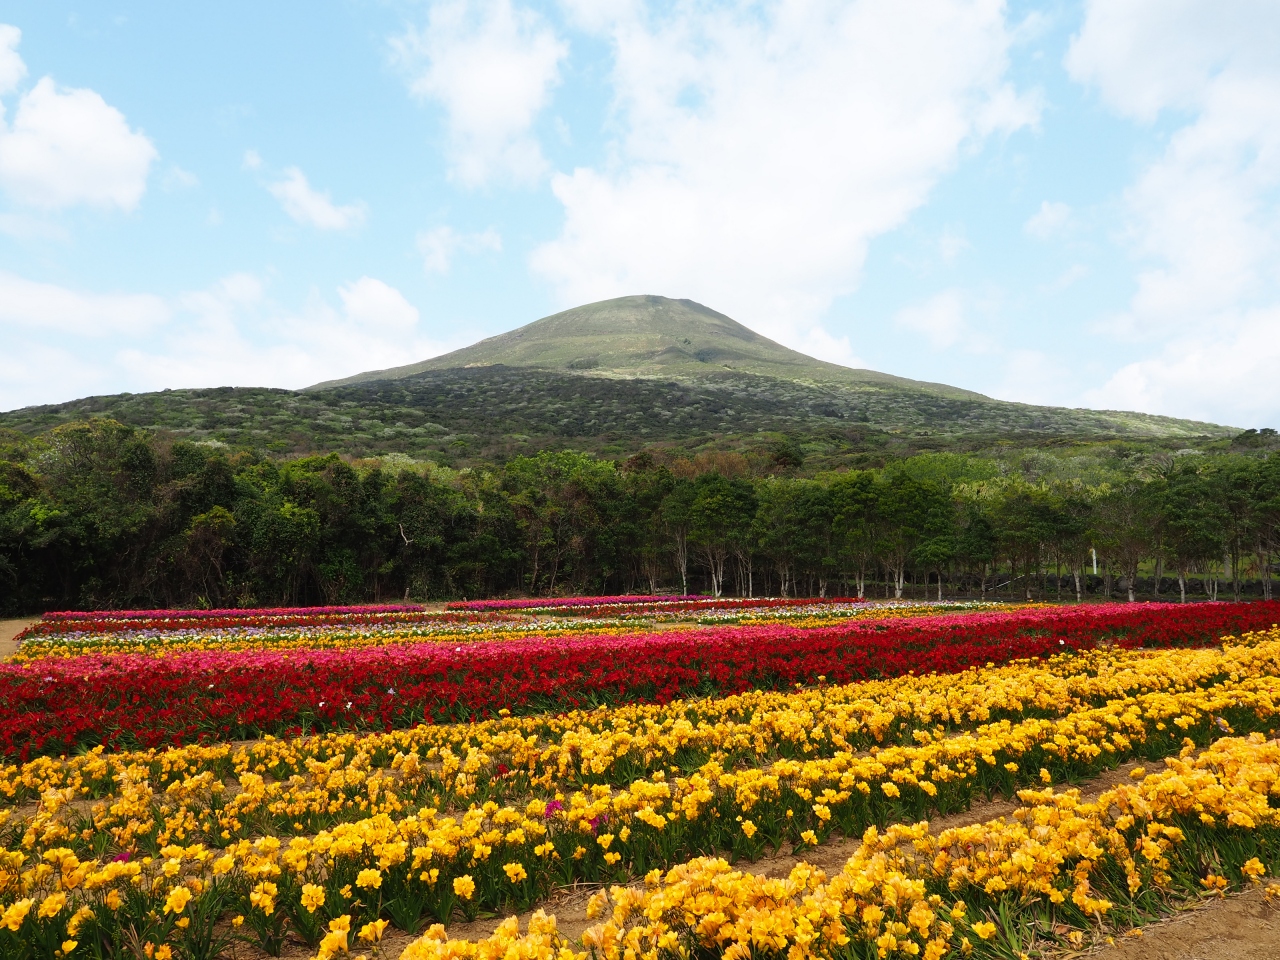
(1244, 926)
(10, 629)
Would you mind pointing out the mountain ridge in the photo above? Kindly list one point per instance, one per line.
(614, 378)
(659, 338)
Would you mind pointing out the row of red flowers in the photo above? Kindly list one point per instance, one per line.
(125, 699)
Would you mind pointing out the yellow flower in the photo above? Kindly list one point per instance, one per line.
(985, 929)
(749, 828)
(14, 916)
(1253, 869)
(263, 897)
(372, 932)
(369, 879)
(52, 905)
(464, 886)
(69, 945)
(515, 872)
(177, 900)
(312, 897)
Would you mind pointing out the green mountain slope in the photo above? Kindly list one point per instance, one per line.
(653, 337)
(647, 337)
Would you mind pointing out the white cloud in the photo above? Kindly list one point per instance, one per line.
(1032, 376)
(1148, 56)
(230, 333)
(34, 372)
(68, 147)
(48, 308)
(178, 179)
(439, 245)
(1048, 220)
(940, 319)
(1226, 379)
(252, 160)
(1204, 217)
(1072, 275)
(233, 334)
(23, 226)
(375, 306)
(951, 244)
(312, 208)
(12, 69)
(491, 65)
(761, 149)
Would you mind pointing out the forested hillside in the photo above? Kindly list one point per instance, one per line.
(613, 378)
(101, 514)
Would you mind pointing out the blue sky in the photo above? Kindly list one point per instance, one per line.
(1067, 203)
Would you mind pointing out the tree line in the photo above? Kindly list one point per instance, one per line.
(98, 515)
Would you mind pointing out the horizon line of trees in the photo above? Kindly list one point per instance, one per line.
(100, 515)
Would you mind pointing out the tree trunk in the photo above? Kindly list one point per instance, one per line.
(1182, 586)
(682, 562)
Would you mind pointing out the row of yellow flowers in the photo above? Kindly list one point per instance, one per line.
(222, 793)
(434, 863)
(1052, 875)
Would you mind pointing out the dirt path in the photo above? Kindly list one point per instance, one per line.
(1245, 926)
(10, 629)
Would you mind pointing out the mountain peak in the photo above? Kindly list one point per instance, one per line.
(651, 337)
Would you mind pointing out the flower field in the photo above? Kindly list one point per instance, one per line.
(331, 794)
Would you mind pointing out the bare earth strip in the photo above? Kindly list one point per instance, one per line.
(1245, 926)
(10, 629)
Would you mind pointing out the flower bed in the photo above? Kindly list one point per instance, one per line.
(54, 706)
(427, 865)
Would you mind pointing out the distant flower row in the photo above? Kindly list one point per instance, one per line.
(561, 603)
(95, 615)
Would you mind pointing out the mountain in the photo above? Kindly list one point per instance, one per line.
(659, 339)
(612, 378)
(653, 338)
